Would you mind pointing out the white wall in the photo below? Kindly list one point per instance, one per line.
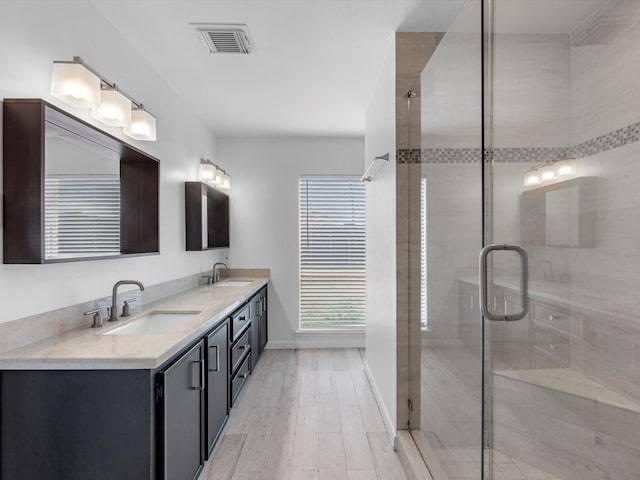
(32, 35)
(264, 218)
(380, 131)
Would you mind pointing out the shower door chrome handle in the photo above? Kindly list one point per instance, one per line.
(524, 281)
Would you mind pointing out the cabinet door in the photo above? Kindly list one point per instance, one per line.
(263, 319)
(256, 313)
(217, 383)
(182, 410)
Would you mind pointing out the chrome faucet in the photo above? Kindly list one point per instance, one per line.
(550, 277)
(215, 275)
(113, 310)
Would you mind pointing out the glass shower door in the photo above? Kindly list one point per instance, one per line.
(442, 168)
(562, 110)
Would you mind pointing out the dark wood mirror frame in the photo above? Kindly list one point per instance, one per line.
(23, 169)
(217, 216)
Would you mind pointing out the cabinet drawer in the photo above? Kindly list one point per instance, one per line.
(554, 317)
(239, 322)
(237, 381)
(240, 349)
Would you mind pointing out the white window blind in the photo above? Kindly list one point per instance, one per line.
(82, 216)
(332, 252)
(424, 319)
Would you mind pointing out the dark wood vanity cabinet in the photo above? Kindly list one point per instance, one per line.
(264, 327)
(259, 332)
(141, 424)
(77, 424)
(181, 398)
(240, 365)
(217, 343)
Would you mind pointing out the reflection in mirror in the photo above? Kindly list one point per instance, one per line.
(561, 219)
(560, 214)
(205, 225)
(81, 197)
(206, 217)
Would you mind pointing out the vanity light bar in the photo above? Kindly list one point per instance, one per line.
(550, 172)
(214, 175)
(77, 84)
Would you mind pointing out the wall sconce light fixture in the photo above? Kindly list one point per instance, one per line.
(79, 85)
(532, 177)
(214, 175)
(551, 172)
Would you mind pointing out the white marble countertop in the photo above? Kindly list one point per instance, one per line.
(90, 349)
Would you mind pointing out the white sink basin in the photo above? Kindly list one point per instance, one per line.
(233, 283)
(154, 323)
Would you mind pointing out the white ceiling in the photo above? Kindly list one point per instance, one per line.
(315, 65)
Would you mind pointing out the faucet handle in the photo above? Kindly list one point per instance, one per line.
(97, 317)
(126, 310)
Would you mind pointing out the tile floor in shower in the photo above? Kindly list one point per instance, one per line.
(451, 393)
(464, 463)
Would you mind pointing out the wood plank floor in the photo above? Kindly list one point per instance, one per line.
(305, 415)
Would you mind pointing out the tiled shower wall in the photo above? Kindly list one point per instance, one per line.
(413, 51)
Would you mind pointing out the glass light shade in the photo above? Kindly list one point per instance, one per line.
(75, 85)
(548, 172)
(114, 109)
(531, 178)
(219, 176)
(142, 127)
(566, 168)
(226, 181)
(207, 171)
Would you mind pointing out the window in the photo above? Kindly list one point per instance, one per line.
(332, 252)
(81, 216)
(424, 324)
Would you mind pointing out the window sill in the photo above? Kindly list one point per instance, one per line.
(331, 331)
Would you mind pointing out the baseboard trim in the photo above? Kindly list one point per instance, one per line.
(319, 340)
(391, 431)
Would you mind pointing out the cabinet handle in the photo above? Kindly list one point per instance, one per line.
(245, 375)
(242, 319)
(201, 386)
(217, 358)
(243, 347)
(553, 318)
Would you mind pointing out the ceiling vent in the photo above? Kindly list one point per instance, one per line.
(224, 37)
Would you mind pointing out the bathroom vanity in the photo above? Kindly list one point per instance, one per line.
(106, 404)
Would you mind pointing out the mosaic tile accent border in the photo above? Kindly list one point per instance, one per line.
(603, 143)
(473, 155)
(609, 141)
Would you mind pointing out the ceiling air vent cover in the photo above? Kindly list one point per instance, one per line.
(224, 37)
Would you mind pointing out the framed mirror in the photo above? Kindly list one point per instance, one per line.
(207, 217)
(561, 214)
(71, 191)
